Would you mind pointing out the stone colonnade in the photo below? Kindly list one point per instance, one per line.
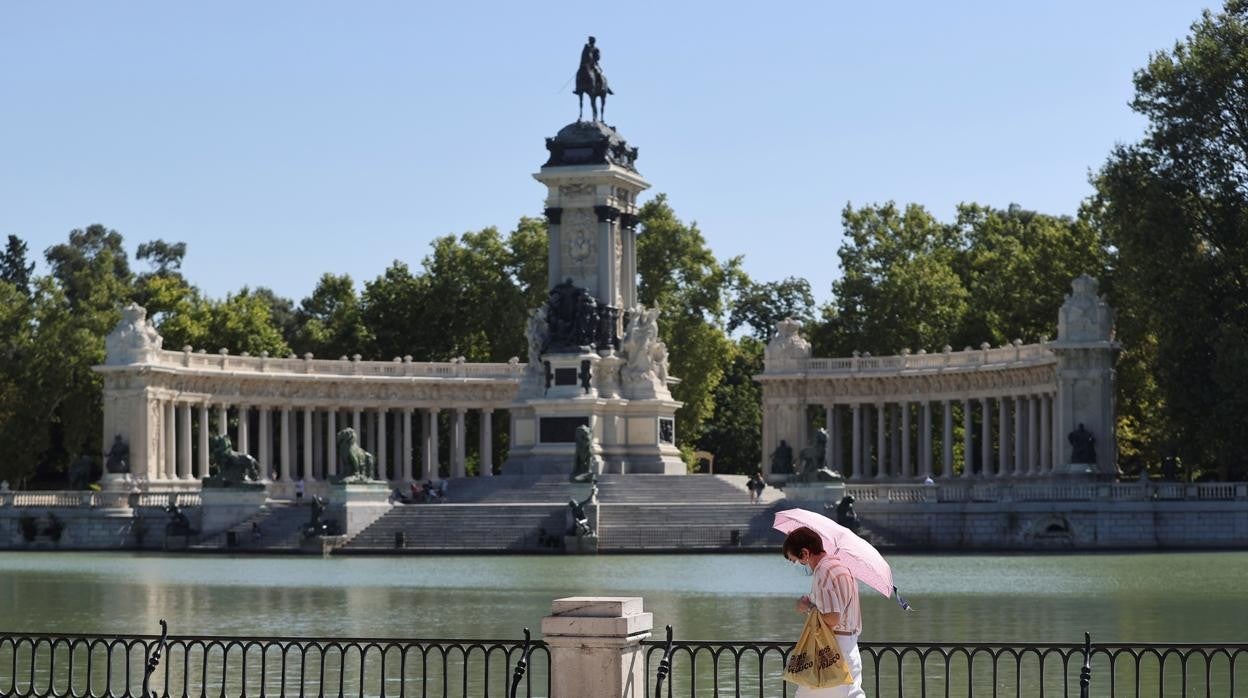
(293, 441)
(910, 439)
(1019, 410)
(287, 413)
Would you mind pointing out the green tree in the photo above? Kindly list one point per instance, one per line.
(330, 322)
(1174, 207)
(681, 276)
(899, 287)
(733, 432)
(13, 265)
(761, 306)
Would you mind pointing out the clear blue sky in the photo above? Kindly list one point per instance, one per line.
(282, 140)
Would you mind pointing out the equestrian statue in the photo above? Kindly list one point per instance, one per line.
(590, 81)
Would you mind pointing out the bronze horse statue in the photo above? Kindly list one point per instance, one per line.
(590, 81)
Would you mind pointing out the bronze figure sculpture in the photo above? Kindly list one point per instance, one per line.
(590, 81)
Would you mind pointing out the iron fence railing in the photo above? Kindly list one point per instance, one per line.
(971, 669)
(99, 666)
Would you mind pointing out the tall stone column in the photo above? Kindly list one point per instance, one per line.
(265, 447)
(1046, 435)
(830, 456)
(946, 440)
(925, 445)
(223, 419)
(286, 441)
(1020, 438)
(407, 444)
(308, 473)
(459, 447)
(968, 440)
(1033, 436)
(881, 440)
(383, 470)
(906, 462)
(355, 424)
(1003, 436)
(201, 470)
(318, 441)
(244, 429)
(856, 440)
(431, 444)
(331, 442)
(487, 442)
(985, 431)
(171, 436)
(184, 443)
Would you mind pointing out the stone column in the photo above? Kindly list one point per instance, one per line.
(881, 440)
(946, 440)
(1046, 435)
(459, 447)
(244, 429)
(925, 443)
(855, 438)
(284, 438)
(1020, 437)
(331, 442)
(487, 442)
(201, 469)
(383, 471)
(355, 424)
(906, 461)
(223, 419)
(1033, 436)
(171, 436)
(308, 474)
(431, 445)
(968, 440)
(406, 457)
(985, 430)
(318, 441)
(265, 446)
(595, 647)
(1003, 436)
(184, 443)
(829, 425)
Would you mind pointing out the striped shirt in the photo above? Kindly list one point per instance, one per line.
(834, 590)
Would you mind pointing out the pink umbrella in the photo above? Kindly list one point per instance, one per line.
(862, 559)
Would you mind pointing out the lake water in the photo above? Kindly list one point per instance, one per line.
(1176, 597)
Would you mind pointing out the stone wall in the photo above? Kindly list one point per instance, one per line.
(1057, 525)
(85, 528)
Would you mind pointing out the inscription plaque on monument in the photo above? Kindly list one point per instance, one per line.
(560, 430)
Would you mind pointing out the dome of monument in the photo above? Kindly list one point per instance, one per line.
(590, 143)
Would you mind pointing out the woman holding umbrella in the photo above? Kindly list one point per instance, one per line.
(834, 596)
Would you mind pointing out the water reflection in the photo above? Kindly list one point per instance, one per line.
(1193, 597)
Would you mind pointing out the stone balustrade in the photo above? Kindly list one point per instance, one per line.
(878, 494)
(79, 499)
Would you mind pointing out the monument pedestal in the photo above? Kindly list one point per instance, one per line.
(226, 507)
(356, 506)
(814, 493)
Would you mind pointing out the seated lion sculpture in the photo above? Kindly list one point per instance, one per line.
(354, 463)
(229, 468)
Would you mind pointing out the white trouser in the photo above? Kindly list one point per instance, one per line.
(849, 648)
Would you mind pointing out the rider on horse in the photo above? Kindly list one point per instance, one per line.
(590, 80)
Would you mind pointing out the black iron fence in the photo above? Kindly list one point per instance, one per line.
(35, 664)
(682, 668)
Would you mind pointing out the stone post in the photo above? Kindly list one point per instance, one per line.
(595, 647)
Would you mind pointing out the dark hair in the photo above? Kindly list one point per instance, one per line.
(799, 539)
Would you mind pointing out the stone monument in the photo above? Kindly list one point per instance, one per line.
(1085, 350)
(595, 357)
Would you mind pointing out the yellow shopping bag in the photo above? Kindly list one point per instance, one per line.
(816, 660)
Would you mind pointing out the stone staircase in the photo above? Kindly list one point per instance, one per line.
(636, 512)
(281, 530)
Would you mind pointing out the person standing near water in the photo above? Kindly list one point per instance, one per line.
(834, 596)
